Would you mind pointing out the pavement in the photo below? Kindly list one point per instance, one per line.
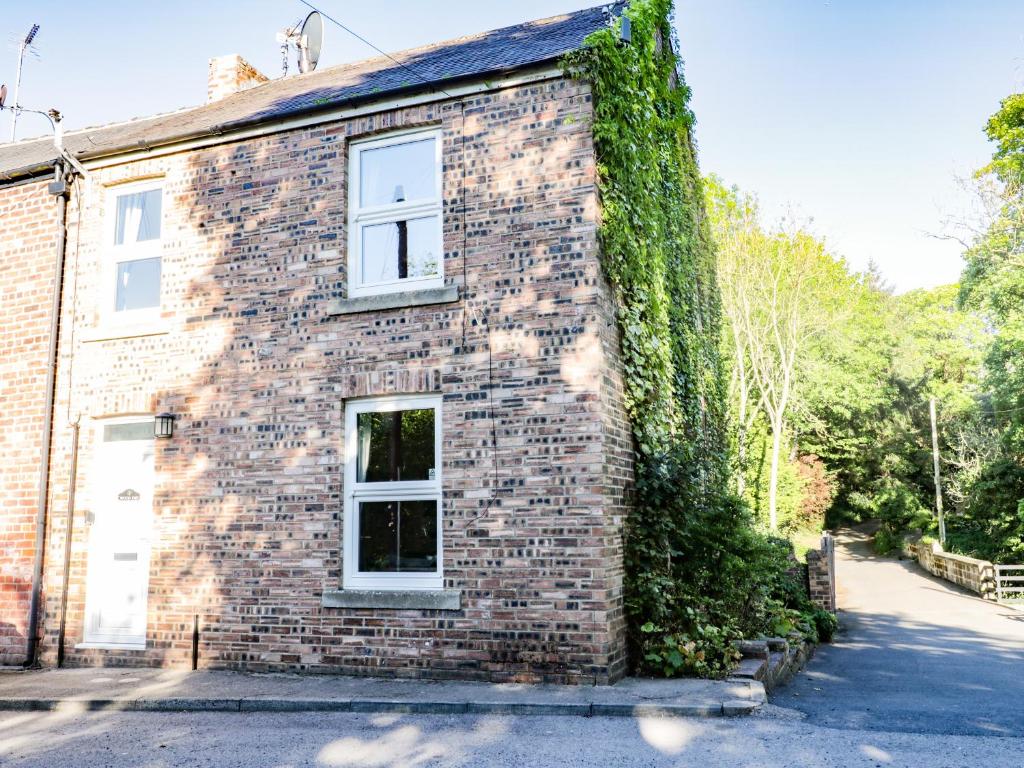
(150, 690)
(916, 655)
(922, 674)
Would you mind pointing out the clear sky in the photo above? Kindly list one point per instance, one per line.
(858, 114)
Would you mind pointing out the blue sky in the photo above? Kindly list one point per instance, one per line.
(857, 114)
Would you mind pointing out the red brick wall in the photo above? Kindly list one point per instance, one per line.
(249, 500)
(27, 252)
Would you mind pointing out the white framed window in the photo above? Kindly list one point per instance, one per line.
(395, 238)
(134, 264)
(392, 524)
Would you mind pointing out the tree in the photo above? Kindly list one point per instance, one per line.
(989, 484)
(733, 219)
(777, 295)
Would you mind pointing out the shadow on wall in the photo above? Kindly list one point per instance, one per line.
(248, 503)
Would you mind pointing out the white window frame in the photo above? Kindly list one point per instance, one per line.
(385, 214)
(409, 490)
(115, 254)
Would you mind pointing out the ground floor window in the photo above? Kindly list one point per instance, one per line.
(392, 525)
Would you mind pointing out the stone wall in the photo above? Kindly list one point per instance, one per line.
(248, 510)
(28, 239)
(970, 573)
(821, 574)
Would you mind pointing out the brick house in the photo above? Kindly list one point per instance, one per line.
(375, 308)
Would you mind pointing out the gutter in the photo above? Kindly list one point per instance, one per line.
(59, 188)
(457, 88)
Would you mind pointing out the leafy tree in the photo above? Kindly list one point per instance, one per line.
(989, 484)
(778, 295)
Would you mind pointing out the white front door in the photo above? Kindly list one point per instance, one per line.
(122, 509)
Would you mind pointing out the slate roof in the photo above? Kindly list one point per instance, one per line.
(429, 68)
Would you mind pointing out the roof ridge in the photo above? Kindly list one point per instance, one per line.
(406, 52)
(434, 66)
(473, 35)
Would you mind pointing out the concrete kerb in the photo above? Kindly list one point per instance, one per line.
(154, 690)
(730, 708)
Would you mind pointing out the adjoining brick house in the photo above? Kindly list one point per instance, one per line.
(376, 309)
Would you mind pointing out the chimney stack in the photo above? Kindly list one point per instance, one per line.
(231, 74)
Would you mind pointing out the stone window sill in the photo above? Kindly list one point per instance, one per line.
(96, 645)
(383, 301)
(426, 600)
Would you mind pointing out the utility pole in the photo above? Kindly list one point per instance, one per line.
(22, 47)
(938, 477)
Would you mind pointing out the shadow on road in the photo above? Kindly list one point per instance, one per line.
(915, 654)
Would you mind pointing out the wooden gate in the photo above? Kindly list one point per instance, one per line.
(1010, 583)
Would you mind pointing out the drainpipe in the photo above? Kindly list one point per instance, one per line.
(58, 187)
(68, 540)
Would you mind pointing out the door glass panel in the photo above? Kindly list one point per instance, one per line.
(395, 446)
(136, 430)
(398, 536)
(400, 172)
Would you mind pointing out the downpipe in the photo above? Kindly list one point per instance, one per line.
(76, 429)
(58, 188)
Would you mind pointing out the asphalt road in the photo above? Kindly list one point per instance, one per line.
(916, 655)
(388, 741)
(922, 675)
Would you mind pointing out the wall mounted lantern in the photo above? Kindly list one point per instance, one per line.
(163, 425)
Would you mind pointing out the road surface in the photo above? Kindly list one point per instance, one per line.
(917, 654)
(922, 675)
(164, 740)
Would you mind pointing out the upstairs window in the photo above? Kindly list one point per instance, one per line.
(394, 221)
(136, 242)
(392, 524)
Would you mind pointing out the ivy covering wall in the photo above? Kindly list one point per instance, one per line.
(692, 557)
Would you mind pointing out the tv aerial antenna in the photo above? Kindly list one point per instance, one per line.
(23, 46)
(307, 37)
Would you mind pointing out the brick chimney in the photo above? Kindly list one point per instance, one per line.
(231, 74)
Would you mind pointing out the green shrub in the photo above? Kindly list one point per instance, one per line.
(706, 652)
(887, 542)
(897, 504)
(826, 624)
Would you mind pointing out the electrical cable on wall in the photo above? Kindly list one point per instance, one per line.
(480, 320)
(465, 258)
(378, 50)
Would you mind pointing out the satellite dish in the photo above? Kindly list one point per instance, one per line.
(3, 95)
(310, 41)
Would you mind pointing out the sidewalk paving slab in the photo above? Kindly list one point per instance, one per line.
(161, 690)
